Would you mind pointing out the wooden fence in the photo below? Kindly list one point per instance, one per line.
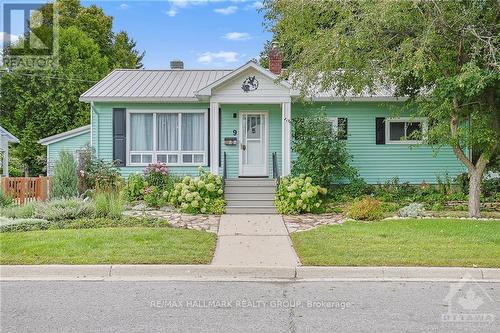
(26, 189)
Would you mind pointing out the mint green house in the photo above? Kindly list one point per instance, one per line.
(236, 123)
(188, 118)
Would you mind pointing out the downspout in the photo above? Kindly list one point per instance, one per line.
(95, 144)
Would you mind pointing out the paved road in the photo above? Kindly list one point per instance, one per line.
(46, 306)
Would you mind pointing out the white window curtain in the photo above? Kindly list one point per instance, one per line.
(168, 136)
(141, 132)
(193, 131)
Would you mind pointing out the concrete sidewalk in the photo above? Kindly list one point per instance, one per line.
(254, 241)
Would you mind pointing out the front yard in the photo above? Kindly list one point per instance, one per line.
(413, 242)
(120, 245)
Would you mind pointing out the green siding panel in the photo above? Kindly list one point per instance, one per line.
(102, 131)
(379, 163)
(376, 163)
(71, 145)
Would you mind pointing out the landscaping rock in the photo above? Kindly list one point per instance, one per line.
(298, 223)
(208, 223)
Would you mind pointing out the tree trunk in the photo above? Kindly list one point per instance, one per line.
(474, 193)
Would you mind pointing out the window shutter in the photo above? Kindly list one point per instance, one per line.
(119, 137)
(380, 131)
(342, 128)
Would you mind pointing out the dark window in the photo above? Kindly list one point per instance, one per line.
(397, 131)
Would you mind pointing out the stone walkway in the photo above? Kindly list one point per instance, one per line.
(208, 223)
(297, 223)
(254, 240)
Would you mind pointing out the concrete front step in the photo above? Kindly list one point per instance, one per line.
(251, 210)
(249, 189)
(247, 203)
(251, 183)
(250, 196)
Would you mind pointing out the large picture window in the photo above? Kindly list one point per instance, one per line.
(170, 137)
(405, 130)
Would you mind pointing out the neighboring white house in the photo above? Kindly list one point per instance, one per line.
(5, 139)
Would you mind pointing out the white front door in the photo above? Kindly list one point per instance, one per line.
(253, 144)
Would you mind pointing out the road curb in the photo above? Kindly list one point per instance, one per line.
(234, 273)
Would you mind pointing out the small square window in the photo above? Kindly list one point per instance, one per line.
(187, 158)
(135, 158)
(161, 158)
(147, 158)
(173, 159)
(198, 158)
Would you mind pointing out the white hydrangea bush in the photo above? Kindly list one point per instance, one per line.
(202, 194)
(298, 195)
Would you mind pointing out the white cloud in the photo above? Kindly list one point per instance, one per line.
(172, 12)
(226, 11)
(7, 37)
(124, 6)
(208, 58)
(237, 36)
(255, 5)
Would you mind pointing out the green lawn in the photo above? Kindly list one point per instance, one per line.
(108, 246)
(427, 242)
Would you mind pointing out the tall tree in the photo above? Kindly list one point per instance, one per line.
(443, 55)
(38, 103)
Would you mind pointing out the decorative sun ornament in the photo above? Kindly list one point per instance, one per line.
(250, 84)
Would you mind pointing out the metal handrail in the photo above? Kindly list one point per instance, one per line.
(276, 171)
(224, 170)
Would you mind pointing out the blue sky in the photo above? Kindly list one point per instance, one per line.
(202, 33)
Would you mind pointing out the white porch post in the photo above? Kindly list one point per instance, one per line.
(214, 138)
(4, 145)
(286, 136)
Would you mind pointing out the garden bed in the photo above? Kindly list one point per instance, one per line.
(403, 242)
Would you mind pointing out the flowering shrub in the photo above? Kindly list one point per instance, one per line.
(134, 189)
(298, 194)
(157, 175)
(155, 197)
(97, 174)
(367, 208)
(201, 194)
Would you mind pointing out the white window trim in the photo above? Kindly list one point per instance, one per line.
(155, 152)
(388, 122)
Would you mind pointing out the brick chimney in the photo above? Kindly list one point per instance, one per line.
(275, 59)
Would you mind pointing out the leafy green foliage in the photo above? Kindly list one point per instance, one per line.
(39, 103)
(298, 195)
(412, 210)
(54, 210)
(157, 175)
(329, 161)
(443, 55)
(134, 189)
(64, 183)
(108, 205)
(201, 194)
(365, 209)
(155, 197)
(98, 174)
(5, 199)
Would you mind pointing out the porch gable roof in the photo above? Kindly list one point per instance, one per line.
(207, 90)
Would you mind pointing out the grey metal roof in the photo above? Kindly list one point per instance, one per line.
(7, 135)
(64, 135)
(152, 85)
